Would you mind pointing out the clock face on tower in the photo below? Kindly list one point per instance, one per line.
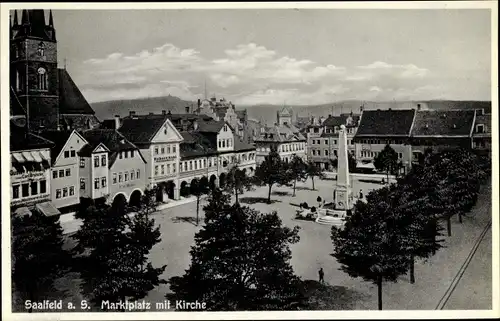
(41, 71)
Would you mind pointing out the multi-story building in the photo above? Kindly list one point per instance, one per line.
(44, 93)
(65, 172)
(322, 139)
(377, 128)
(30, 171)
(441, 130)
(482, 131)
(111, 167)
(159, 143)
(285, 137)
(224, 110)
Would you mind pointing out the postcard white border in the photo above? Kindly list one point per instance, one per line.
(5, 165)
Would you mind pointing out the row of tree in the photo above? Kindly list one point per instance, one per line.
(400, 223)
(111, 254)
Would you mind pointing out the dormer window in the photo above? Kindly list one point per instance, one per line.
(480, 129)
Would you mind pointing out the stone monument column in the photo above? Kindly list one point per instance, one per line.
(342, 193)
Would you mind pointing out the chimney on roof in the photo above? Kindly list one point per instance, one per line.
(163, 112)
(390, 108)
(117, 122)
(419, 107)
(187, 109)
(131, 113)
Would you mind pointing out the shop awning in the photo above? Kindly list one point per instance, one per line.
(48, 209)
(28, 156)
(365, 165)
(18, 157)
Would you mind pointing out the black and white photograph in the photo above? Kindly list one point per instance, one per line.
(273, 159)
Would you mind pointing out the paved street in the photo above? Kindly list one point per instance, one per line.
(313, 251)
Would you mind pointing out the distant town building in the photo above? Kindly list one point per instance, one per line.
(285, 137)
(322, 138)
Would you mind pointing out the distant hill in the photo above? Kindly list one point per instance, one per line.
(108, 109)
(267, 113)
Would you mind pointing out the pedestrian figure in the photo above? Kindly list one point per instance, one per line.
(321, 275)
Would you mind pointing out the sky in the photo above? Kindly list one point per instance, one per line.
(285, 56)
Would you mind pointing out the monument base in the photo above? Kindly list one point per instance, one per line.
(332, 217)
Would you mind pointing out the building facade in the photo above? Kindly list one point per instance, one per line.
(323, 141)
(30, 172)
(284, 136)
(65, 171)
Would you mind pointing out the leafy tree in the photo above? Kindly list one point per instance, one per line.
(237, 181)
(198, 190)
(113, 252)
(456, 176)
(418, 218)
(313, 171)
(369, 245)
(272, 171)
(297, 169)
(38, 257)
(386, 161)
(240, 261)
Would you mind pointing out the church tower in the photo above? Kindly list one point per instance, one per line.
(284, 116)
(33, 68)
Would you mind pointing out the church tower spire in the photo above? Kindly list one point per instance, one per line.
(25, 17)
(16, 21)
(51, 20)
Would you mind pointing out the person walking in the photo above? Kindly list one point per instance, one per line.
(321, 276)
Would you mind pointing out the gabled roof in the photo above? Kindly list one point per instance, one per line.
(283, 133)
(212, 126)
(196, 144)
(71, 100)
(141, 128)
(386, 123)
(59, 137)
(483, 120)
(333, 121)
(111, 138)
(443, 123)
(19, 140)
(285, 111)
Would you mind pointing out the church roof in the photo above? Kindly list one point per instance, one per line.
(20, 141)
(71, 100)
(16, 108)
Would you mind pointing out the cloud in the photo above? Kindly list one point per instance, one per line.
(246, 74)
(380, 68)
